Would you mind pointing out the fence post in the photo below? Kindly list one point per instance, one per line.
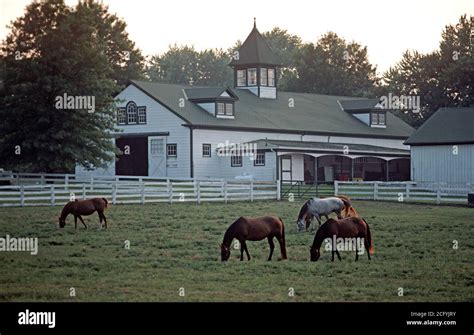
(66, 182)
(198, 191)
(407, 190)
(376, 189)
(251, 190)
(83, 191)
(336, 187)
(42, 179)
(51, 188)
(142, 191)
(92, 183)
(114, 193)
(169, 188)
(278, 195)
(438, 194)
(225, 191)
(22, 195)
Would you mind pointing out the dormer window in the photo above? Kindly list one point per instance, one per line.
(241, 78)
(131, 114)
(252, 76)
(378, 119)
(224, 109)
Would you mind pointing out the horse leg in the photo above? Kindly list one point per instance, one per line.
(318, 218)
(246, 250)
(357, 253)
(334, 249)
(338, 256)
(105, 219)
(80, 218)
(281, 241)
(272, 247)
(241, 250)
(75, 222)
(367, 247)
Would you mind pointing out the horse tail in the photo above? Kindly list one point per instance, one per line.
(283, 243)
(106, 202)
(369, 238)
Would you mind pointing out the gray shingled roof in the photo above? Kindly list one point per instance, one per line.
(255, 50)
(352, 147)
(312, 113)
(206, 92)
(359, 104)
(448, 125)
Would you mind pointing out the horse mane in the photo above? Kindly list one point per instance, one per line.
(230, 232)
(66, 209)
(303, 209)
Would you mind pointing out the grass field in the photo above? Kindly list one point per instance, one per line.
(177, 246)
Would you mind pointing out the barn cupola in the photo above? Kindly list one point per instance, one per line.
(255, 66)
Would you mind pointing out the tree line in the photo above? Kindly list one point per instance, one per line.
(84, 50)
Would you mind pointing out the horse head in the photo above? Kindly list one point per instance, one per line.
(62, 222)
(315, 254)
(225, 253)
(301, 221)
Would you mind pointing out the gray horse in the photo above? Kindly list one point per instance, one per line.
(320, 207)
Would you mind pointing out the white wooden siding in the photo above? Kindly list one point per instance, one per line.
(441, 164)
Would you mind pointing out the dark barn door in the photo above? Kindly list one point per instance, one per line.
(135, 163)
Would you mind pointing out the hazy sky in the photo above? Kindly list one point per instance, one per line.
(387, 28)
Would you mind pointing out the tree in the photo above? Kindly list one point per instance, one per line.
(334, 66)
(55, 53)
(440, 79)
(286, 48)
(184, 65)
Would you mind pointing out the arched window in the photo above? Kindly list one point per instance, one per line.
(131, 112)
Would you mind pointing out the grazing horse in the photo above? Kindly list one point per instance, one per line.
(254, 229)
(317, 207)
(84, 207)
(346, 228)
(348, 211)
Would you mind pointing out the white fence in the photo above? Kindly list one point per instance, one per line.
(51, 190)
(405, 191)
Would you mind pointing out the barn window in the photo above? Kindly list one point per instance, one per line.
(131, 112)
(252, 76)
(271, 77)
(236, 160)
(156, 146)
(172, 150)
(121, 116)
(241, 78)
(206, 150)
(259, 159)
(263, 76)
(229, 109)
(142, 115)
(220, 108)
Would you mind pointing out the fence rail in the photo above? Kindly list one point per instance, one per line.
(51, 190)
(406, 191)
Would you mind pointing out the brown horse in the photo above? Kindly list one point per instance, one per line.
(346, 228)
(84, 207)
(254, 229)
(349, 212)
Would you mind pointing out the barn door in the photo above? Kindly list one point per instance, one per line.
(286, 168)
(134, 160)
(157, 156)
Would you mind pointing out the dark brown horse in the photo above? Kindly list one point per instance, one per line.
(84, 207)
(351, 227)
(254, 229)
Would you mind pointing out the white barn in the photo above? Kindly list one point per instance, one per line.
(253, 130)
(442, 149)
